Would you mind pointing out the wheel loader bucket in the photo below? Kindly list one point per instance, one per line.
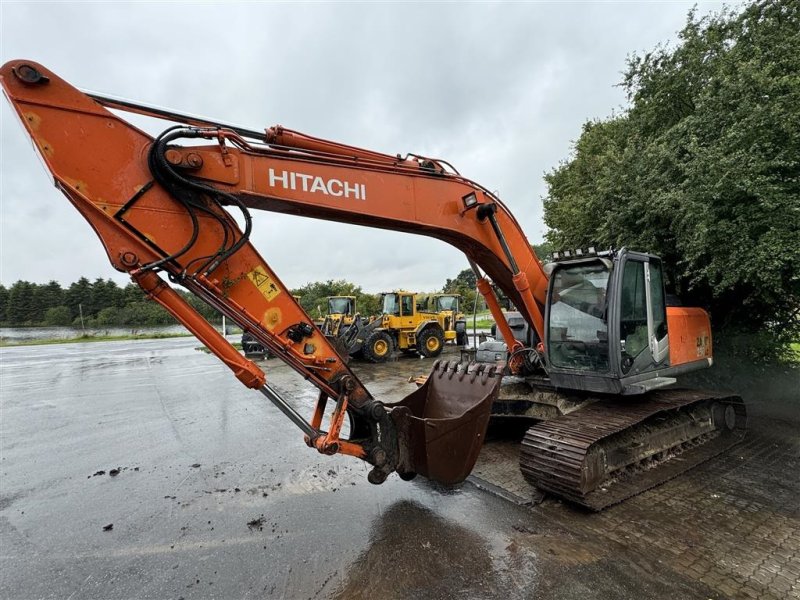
(442, 424)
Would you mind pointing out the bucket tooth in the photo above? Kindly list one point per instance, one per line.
(442, 424)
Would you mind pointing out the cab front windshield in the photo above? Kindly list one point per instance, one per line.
(339, 306)
(391, 306)
(578, 332)
(447, 303)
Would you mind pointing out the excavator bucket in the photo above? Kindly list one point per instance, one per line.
(441, 425)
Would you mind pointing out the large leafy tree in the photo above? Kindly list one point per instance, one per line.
(464, 281)
(703, 168)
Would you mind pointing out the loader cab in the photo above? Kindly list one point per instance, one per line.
(342, 305)
(448, 312)
(443, 302)
(606, 322)
(399, 309)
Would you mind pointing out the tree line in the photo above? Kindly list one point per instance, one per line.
(84, 303)
(102, 303)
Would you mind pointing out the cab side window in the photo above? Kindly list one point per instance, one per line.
(407, 303)
(657, 299)
(633, 314)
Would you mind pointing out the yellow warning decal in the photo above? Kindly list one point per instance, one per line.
(264, 283)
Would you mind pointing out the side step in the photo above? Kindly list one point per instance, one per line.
(616, 448)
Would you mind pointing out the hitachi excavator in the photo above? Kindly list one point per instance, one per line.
(603, 349)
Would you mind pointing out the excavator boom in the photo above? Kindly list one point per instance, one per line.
(162, 208)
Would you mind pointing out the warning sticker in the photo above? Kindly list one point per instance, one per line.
(264, 283)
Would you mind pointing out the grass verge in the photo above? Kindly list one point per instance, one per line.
(480, 324)
(92, 338)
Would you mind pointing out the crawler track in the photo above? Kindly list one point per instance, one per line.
(615, 449)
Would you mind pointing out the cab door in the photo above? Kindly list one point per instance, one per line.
(657, 311)
(407, 311)
(644, 344)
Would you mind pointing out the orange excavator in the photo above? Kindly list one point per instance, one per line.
(603, 347)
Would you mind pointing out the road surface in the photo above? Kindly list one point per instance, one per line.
(217, 496)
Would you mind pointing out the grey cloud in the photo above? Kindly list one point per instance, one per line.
(499, 90)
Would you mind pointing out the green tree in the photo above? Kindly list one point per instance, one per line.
(79, 294)
(3, 303)
(104, 294)
(703, 168)
(465, 280)
(58, 316)
(464, 284)
(368, 304)
(22, 309)
(144, 313)
(108, 317)
(543, 250)
(52, 295)
(132, 293)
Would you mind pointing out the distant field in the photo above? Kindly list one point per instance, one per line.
(480, 323)
(484, 320)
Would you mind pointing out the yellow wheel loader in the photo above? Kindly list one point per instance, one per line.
(341, 312)
(448, 306)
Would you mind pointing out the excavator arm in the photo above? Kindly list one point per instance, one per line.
(164, 205)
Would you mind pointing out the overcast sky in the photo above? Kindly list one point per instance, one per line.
(498, 90)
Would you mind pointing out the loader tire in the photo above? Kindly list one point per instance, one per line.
(377, 347)
(430, 342)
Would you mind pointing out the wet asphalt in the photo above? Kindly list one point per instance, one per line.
(217, 496)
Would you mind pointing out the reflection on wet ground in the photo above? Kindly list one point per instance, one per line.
(413, 552)
(217, 496)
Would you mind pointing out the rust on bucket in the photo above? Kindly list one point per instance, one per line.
(441, 425)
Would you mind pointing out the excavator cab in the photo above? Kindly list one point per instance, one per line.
(606, 323)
